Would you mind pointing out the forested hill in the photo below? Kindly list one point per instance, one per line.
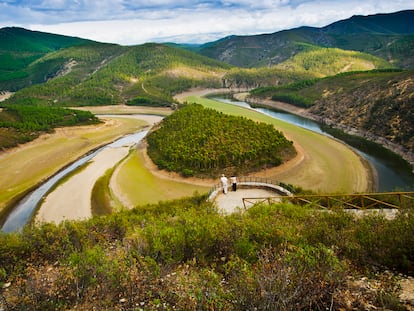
(389, 36)
(19, 50)
(23, 40)
(28, 58)
(105, 74)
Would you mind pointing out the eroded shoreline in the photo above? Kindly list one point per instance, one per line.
(399, 150)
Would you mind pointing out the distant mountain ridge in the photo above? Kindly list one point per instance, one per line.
(32, 57)
(20, 39)
(389, 36)
(398, 23)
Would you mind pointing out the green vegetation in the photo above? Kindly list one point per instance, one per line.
(22, 123)
(323, 62)
(198, 141)
(289, 93)
(76, 65)
(185, 255)
(260, 77)
(305, 93)
(387, 36)
(19, 50)
(104, 74)
(101, 201)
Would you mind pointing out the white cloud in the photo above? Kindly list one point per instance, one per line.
(135, 22)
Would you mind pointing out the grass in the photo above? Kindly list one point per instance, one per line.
(328, 166)
(28, 165)
(121, 110)
(140, 186)
(101, 202)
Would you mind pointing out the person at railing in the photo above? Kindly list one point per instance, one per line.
(233, 181)
(223, 180)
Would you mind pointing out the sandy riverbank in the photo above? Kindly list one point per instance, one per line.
(72, 199)
(30, 164)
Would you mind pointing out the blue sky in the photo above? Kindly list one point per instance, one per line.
(130, 22)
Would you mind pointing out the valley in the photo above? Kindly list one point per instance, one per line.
(325, 81)
(122, 144)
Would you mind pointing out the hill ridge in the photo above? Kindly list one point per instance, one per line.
(389, 36)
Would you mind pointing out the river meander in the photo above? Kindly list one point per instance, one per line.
(25, 208)
(391, 176)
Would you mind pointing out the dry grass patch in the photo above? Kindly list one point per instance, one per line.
(122, 109)
(27, 165)
(135, 184)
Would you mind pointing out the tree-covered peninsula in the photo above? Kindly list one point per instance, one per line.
(203, 142)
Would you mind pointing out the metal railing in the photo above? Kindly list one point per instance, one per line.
(247, 181)
(386, 200)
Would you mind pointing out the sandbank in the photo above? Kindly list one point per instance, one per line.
(30, 164)
(5, 95)
(72, 199)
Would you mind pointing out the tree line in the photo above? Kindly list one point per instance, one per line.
(23, 123)
(196, 140)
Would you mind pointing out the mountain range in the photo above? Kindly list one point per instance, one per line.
(54, 70)
(389, 36)
(383, 40)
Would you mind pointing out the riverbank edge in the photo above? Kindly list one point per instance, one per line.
(397, 149)
(9, 206)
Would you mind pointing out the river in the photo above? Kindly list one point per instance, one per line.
(391, 175)
(25, 208)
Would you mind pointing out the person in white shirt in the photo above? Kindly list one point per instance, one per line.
(233, 181)
(223, 180)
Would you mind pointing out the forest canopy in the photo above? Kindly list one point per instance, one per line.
(23, 123)
(201, 141)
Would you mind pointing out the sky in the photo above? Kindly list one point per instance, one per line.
(129, 22)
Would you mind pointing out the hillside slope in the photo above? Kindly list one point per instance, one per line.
(375, 104)
(389, 36)
(104, 74)
(19, 50)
